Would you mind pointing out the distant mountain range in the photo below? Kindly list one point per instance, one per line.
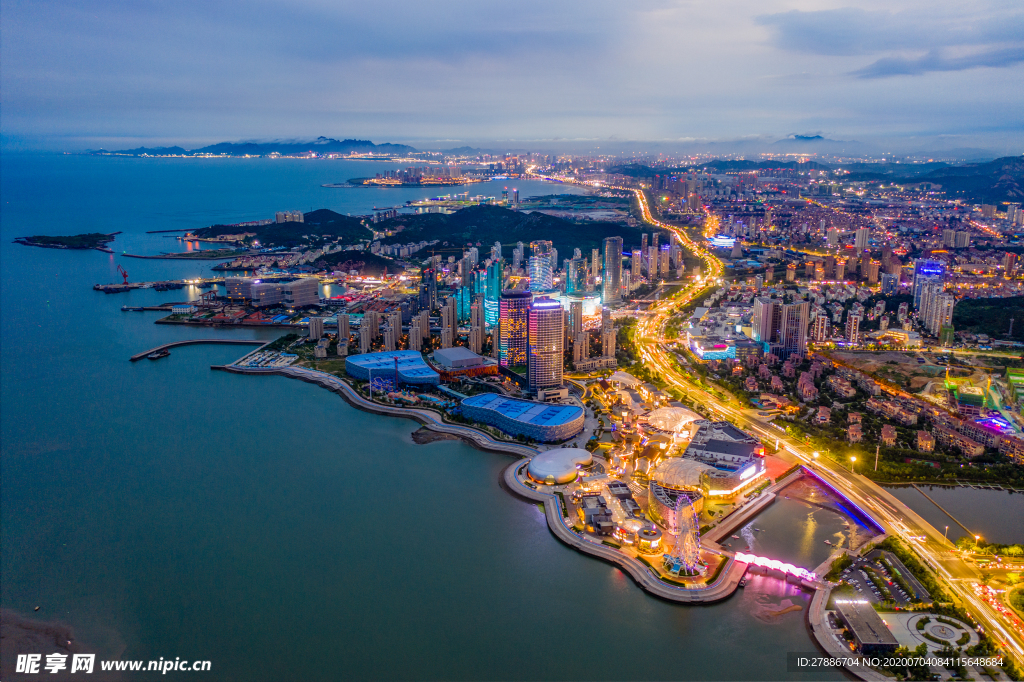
(321, 145)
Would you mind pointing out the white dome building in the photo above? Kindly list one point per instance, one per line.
(558, 465)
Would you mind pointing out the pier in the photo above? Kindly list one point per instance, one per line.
(175, 344)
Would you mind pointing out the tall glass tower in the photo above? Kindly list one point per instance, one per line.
(513, 331)
(611, 274)
(546, 334)
(492, 292)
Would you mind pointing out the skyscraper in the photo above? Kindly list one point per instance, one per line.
(492, 292)
(541, 266)
(926, 271)
(576, 277)
(546, 335)
(833, 237)
(863, 238)
(611, 275)
(428, 289)
(853, 329)
(941, 313)
(607, 334)
(513, 335)
(890, 283)
(793, 329)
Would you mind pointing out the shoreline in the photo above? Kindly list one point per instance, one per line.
(724, 585)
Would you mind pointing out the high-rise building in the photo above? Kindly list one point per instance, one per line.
(853, 329)
(492, 292)
(791, 272)
(665, 263)
(513, 330)
(873, 267)
(643, 248)
(863, 238)
(901, 312)
(793, 329)
(365, 337)
(580, 346)
(949, 238)
(607, 334)
(428, 289)
(841, 270)
(611, 275)
(926, 271)
(316, 328)
(576, 277)
(941, 313)
(963, 239)
(1009, 264)
(391, 336)
(636, 265)
(833, 237)
(540, 273)
(575, 318)
(344, 331)
(545, 343)
(476, 326)
(595, 263)
(820, 331)
(890, 284)
(764, 324)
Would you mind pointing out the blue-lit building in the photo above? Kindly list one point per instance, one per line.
(492, 292)
(463, 301)
(408, 365)
(576, 277)
(926, 271)
(890, 284)
(710, 348)
(541, 422)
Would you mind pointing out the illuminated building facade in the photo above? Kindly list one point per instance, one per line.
(611, 275)
(545, 337)
(515, 317)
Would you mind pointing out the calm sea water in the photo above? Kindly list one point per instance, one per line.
(997, 516)
(163, 509)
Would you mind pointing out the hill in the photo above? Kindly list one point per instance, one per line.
(992, 182)
(488, 224)
(321, 145)
(319, 226)
(990, 316)
(364, 262)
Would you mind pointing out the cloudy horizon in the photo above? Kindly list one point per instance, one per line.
(673, 74)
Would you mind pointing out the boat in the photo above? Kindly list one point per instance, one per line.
(737, 537)
(743, 581)
(156, 355)
(827, 542)
(132, 309)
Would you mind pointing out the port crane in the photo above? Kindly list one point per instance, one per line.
(124, 273)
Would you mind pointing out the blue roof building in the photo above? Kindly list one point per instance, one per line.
(541, 422)
(412, 368)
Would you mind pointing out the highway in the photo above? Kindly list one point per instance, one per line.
(928, 543)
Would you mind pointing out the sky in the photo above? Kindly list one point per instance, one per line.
(941, 74)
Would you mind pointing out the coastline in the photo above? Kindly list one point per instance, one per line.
(725, 584)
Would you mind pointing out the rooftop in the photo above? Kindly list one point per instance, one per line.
(526, 411)
(410, 362)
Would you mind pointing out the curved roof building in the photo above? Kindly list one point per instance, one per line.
(678, 473)
(672, 419)
(411, 367)
(558, 465)
(545, 423)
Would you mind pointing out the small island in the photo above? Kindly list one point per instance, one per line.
(91, 240)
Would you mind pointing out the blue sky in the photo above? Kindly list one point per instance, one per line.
(931, 74)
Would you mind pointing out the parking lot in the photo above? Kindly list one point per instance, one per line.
(883, 588)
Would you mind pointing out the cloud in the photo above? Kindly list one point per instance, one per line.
(933, 61)
(906, 43)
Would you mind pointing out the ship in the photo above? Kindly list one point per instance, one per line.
(156, 355)
(132, 309)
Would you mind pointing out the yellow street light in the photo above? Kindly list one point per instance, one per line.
(853, 460)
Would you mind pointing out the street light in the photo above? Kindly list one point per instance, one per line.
(944, 533)
(976, 538)
(853, 460)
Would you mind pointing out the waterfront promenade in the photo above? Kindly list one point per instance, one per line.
(724, 585)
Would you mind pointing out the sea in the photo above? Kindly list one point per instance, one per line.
(160, 509)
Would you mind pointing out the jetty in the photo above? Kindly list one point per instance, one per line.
(191, 342)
